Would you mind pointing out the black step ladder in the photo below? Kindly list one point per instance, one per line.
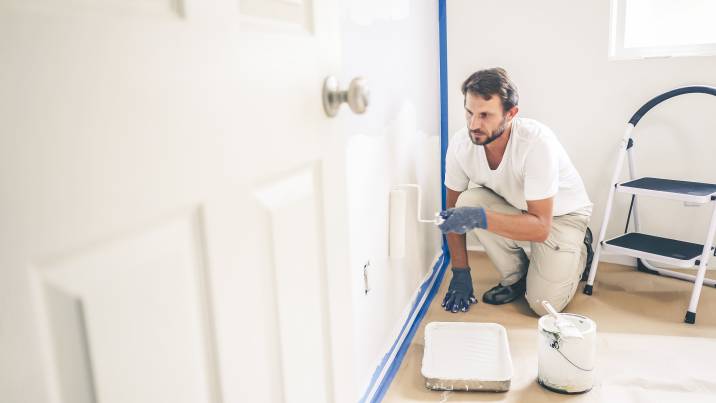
(649, 248)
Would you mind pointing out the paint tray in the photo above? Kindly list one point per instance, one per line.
(466, 356)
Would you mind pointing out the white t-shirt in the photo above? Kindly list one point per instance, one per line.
(535, 166)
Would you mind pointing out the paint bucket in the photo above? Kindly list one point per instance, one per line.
(566, 365)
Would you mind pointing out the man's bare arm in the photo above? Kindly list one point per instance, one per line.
(456, 242)
(534, 225)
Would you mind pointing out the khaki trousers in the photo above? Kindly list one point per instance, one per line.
(554, 267)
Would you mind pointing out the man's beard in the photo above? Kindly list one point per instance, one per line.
(499, 132)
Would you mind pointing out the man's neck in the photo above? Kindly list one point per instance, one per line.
(498, 146)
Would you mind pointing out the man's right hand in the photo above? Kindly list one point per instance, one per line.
(460, 293)
(462, 219)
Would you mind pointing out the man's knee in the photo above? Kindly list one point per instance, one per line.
(485, 198)
(535, 302)
(475, 197)
(553, 274)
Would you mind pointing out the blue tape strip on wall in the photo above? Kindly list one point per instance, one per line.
(395, 365)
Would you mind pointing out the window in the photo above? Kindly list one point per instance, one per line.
(662, 28)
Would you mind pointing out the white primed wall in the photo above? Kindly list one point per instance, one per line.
(394, 45)
(556, 53)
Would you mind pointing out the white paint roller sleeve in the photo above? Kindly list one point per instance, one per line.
(397, 225)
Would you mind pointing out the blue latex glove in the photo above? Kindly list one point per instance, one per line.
(463, 219)
(460, 293)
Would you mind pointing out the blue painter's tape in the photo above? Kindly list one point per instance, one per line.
(395, 365)
(444, 135)
(386, 361)
(442, 23)
(440, 266)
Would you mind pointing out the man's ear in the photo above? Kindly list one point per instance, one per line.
(512, 112)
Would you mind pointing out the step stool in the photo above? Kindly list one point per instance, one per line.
(646, 247)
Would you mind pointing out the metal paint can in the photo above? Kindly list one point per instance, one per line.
(566, 365)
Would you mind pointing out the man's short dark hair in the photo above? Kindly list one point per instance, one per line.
(490, 82)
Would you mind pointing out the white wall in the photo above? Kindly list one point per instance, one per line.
(394, 45)
(556, 53)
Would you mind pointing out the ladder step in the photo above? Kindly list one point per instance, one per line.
(654, 248)
(694, 192)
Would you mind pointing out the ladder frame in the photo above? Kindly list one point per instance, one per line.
(626, 150)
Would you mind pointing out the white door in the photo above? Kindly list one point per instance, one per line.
(167, 184)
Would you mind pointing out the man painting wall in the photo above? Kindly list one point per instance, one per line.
(529, 194)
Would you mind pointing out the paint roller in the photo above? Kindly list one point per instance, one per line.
(398, 218)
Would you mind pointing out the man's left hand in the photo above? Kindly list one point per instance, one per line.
(460, 292)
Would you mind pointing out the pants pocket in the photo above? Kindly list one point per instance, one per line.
(552, 274)
(555, 261)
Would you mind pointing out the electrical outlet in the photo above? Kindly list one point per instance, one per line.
(366, 287)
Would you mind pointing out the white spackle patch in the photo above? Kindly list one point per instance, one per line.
(444, 398)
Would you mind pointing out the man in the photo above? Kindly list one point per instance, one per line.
(530, 195)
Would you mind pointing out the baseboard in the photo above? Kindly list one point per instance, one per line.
(388, 366)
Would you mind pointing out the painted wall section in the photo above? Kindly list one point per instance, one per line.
(394, 45)
(556, 53)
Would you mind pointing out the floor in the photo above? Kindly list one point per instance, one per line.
(645, 352)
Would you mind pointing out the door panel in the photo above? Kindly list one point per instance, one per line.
(165, 168)
(138, 319)
(295, 253)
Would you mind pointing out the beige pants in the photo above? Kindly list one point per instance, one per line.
(554, 267)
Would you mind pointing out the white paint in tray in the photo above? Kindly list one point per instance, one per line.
(467, 356)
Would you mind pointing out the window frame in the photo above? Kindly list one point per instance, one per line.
(617, 51)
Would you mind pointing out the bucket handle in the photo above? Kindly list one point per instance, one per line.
(555, 345)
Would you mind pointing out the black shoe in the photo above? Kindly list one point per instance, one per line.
(503, 294)
(590, 254)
